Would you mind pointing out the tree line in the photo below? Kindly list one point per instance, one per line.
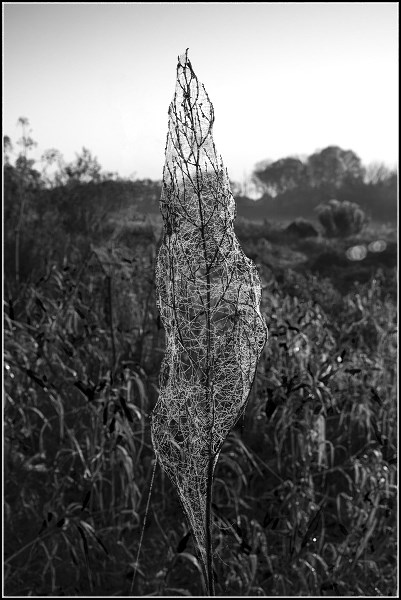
(292, 187)
(51, 205)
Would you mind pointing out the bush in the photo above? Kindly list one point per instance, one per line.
(341, 219)
(301, 228)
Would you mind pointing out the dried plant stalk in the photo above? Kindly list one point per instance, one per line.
(208, 297)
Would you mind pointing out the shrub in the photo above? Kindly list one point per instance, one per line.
(341, 219)
(301, 228)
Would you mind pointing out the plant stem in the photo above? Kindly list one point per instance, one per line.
(208, 373)
(113, 344)
(209, 545)
(18, 230)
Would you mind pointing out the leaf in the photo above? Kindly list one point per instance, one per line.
(40, 381)
(253, 559)
(105, 413)
(193, 560)
(40, 304)
(245, 547)
(292, 327)
(272, 522)
(125, 408)
(376, 397)
(99, 541)
(68, 348)
(43, 526)
(270, 408)
(112, 425)
(326, 374)
(267, 518)
(73, 555)
(182, 544)
(309, 368)
(321, 561)
(179, 591)
(140, 388)
(237, 529)
(135, 569)
(377, 432)
(329, 586)
(312, 527)
(86, 500)
(85, 543)
(87, 391)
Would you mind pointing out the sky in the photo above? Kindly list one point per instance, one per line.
(285, 79)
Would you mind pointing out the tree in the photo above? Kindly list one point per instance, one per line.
(28, 178)
(378, 173)
(7, 149)
(283, 175)
(332, 167)
(53, 158)
(84, 169)
(208, 296)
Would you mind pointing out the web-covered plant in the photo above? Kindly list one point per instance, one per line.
(208, 296)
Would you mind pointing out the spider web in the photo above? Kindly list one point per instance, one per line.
(208, 296)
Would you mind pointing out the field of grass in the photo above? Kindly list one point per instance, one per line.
(305, 488)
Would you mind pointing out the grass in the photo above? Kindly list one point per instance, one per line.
(305, 489)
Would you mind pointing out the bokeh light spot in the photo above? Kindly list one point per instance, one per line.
(356, 252)
(377, 246)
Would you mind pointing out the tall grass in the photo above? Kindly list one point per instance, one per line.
(305, 489)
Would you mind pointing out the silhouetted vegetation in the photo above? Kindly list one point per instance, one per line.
(302, 228)
(341, 219)
(304, 499)
(294, 187)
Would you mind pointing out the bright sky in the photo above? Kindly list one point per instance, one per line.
(284, 78)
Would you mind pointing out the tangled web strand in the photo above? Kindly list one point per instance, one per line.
(208, 297)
